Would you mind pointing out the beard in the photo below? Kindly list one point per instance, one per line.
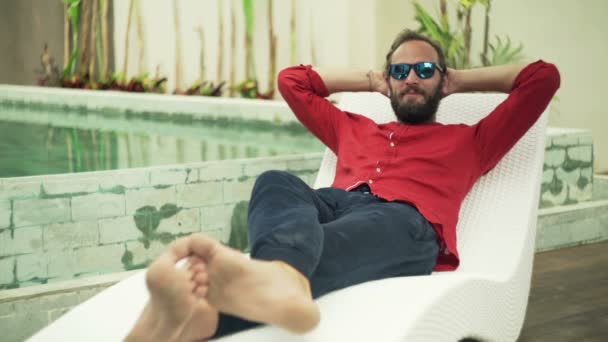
(416, 113)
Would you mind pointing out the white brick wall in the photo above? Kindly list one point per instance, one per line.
(201, 194)
(142, 254)
(223, 170)
(118, 230)
(16, 188)
(6, 270)
(62, 264)
(24, 240)
(185, 221)
(150, 196)
(5, 214)
(216, 217)
(168, 177)
(31, 212)
(62, 236)
(555, 157)
(65, 185)
(31, 266)
(102, 259)
(581, 153)
(127, 179)
(96, 206)
(235, 191)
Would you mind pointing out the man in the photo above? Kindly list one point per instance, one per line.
(391, 211)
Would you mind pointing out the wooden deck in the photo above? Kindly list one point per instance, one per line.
(569, 296)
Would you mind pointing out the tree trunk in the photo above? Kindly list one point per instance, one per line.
(467, 39)
(178, 49)
(140, 38)
(66, 36)
(126, 60)
(232, 50)
(105, 41)
(486, 32)
(94, 20)
(273, 50)
(220, 54)
(85, 37)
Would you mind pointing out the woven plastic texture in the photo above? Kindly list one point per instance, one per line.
(485, 298)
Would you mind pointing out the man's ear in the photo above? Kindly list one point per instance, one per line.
(446, 85)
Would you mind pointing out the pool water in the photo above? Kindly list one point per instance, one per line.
(34, 142)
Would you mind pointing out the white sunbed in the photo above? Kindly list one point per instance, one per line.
(485, 298)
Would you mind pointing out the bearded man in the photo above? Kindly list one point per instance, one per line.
(391, 210)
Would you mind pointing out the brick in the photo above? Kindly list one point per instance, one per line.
(220, 170)
(70, 235)
(100, 259)
(40, 211)
(24, 240)
(69, 184)
(588, 173)
(168, 177)
(566, 140)
(149, 197)
(6, 270)
(555, 199)
(31, 266)
(19, 189)
(581, 153)
(127, 179)
(235, 191)
(568, 177)
(62, 264)
(579, 195)
(96, 206)
(216, 217)
(255, 168)
(118, 230)
(198, 195)
(5, 214)
(185, 221)
(141, 254)
(555, 157)
(585, 139)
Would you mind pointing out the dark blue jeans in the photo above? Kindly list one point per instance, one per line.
(334, 237)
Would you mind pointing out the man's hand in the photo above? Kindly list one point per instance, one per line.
(378, 82)
(451, 82)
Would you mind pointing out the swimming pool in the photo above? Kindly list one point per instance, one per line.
(38, 141)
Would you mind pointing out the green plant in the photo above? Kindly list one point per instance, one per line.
(456, 42)
(73, 13)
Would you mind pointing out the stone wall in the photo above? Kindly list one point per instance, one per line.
(59, 227)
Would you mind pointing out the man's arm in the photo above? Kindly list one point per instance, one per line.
(530, 87)
(339, 80)
(495, 78)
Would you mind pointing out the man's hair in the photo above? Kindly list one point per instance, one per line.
(409, 35)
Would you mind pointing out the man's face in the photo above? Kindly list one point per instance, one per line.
(415, 100)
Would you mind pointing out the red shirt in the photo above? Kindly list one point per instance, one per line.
(432, 166)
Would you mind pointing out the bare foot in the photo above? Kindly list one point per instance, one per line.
(261, 291)
(177, 310)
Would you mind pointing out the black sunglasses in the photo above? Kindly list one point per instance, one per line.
(423, 70)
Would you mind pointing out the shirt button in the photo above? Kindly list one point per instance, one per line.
(371, 181)
(392, 144)
(377, 169)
